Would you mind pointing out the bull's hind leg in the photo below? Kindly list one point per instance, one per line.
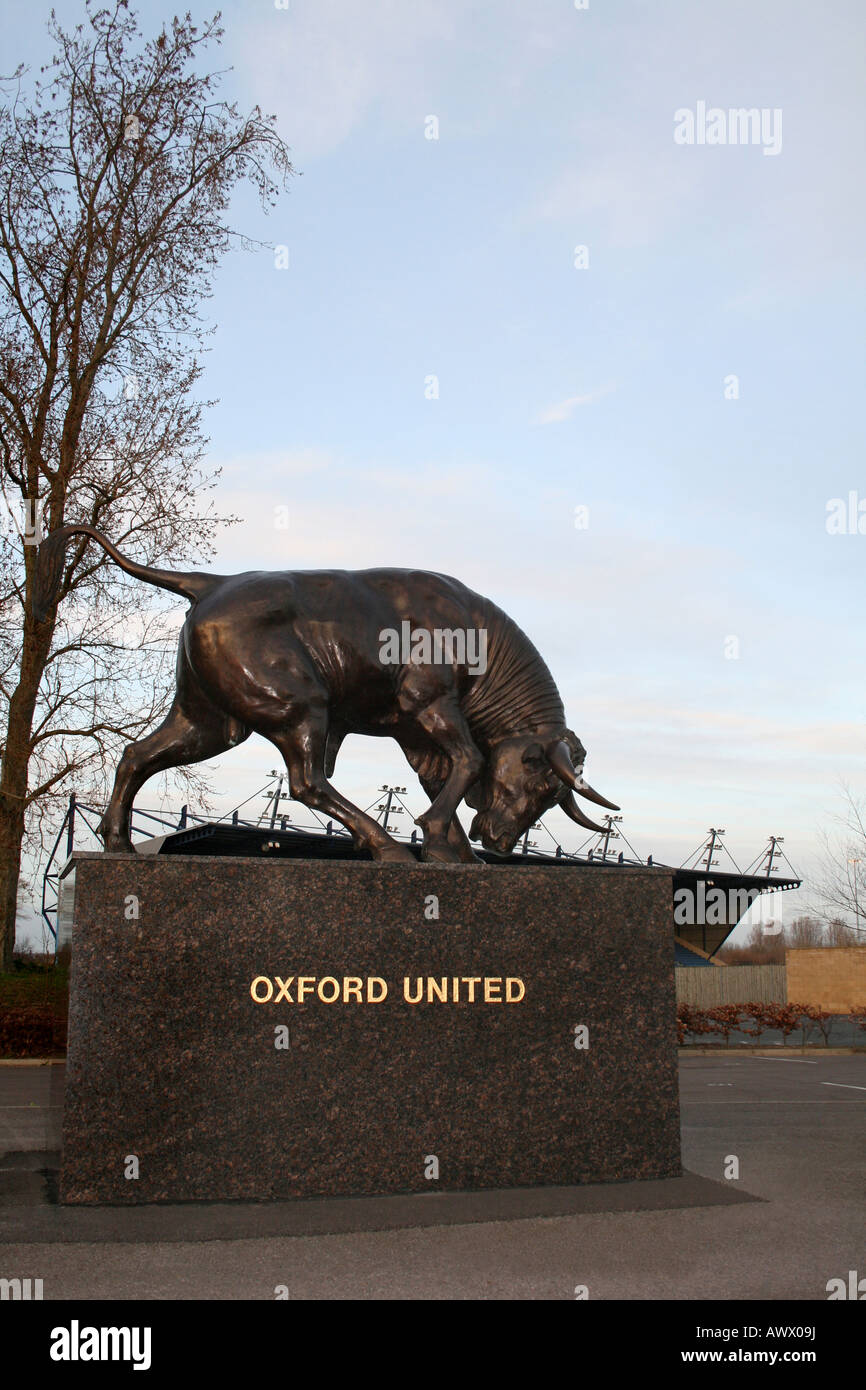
(304, 751)
(182, 738)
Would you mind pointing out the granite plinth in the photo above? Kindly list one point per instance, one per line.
(195, 1074)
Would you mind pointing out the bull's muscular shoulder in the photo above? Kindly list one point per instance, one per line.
(413, 585)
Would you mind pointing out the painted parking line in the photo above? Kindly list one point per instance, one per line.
(803, 1061)
(846, 1086)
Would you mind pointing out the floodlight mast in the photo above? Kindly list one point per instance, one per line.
(609, 834)
(274, 798)
(391, 792)
(715, 838)
(771, 852)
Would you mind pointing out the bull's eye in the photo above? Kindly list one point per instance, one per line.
(533, 756)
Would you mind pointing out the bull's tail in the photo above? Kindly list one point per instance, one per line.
(49, 571)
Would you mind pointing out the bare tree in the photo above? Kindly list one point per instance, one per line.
(116, 173)
(760, 947)
(839, 885)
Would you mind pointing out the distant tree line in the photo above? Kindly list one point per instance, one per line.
(761, 947)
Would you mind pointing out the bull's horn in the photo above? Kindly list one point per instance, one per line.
(559, 757)
(573, 811)
(589, 794)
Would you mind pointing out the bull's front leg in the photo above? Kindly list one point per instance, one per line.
(442, 721)
(457, 839)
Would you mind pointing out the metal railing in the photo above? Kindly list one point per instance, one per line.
(595, 849)
(81, 822)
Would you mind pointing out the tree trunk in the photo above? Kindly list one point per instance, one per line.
(11, 835)
(13, 781)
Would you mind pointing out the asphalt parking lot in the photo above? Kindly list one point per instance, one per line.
(790, 1132)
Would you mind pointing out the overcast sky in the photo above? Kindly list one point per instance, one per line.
(704, 626)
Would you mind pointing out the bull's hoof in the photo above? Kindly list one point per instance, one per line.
(442, 853)
(458, 841)
(116, 843)
(392, 854)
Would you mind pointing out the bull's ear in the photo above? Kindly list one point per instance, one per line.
(578, 752)
(477, 796)
(534, 755)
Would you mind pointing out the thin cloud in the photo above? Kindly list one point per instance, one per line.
(555, 414)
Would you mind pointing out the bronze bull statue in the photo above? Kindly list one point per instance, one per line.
(306, 657)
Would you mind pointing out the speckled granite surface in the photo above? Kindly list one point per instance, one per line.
(173, 1063)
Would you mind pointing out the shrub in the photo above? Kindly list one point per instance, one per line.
(690, 1020)
(32, 1030)
(784, 1017)
(760, 1014)
(724, 1018)
(811, 1016)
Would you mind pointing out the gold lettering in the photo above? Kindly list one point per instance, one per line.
(441, 989)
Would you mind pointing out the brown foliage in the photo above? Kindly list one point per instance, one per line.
(32, 1030)
(724, 1019)
(784, 1018)
(759, 1013)
(811, 1016)
(691, 1020)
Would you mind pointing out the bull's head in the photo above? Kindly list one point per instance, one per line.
(523, 777)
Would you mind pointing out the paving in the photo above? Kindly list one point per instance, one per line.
(772, 1206)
